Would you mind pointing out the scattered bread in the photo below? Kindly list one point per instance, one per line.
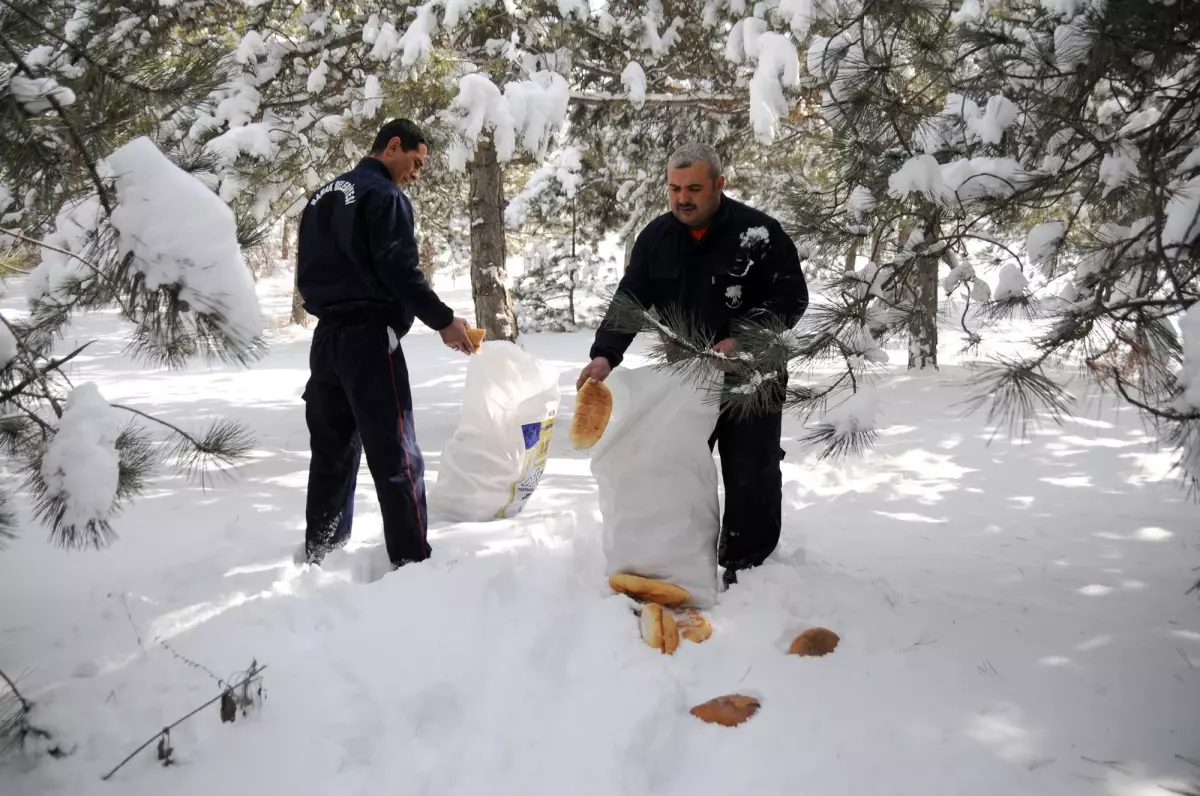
(659, 629)
(814, 641)
(649, 590)
(593, 408)
(476, 336)
(728, 711)
(693, 625)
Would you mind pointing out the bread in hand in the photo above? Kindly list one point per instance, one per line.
(728, 711)
(593, 408)
(693, 625)
(814, 641)
(659, 629)
(476, 336)
(648, 590)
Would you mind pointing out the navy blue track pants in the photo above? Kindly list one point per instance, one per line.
(358, 399)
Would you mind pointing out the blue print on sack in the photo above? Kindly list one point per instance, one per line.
(537, 451)
(532, 432)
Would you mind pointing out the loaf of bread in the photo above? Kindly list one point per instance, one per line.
(593, 408)
(814, 641)
(728, 711)
(659, 629)
(693, 625)
(649, 590)
(476, 336)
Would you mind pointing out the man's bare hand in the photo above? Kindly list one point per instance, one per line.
(729, 348)
(455, 336)
(597, 369)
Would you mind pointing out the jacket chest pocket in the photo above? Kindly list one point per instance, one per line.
(664, 268)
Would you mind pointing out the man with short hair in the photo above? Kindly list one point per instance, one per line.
(718, 261)
(357, 273)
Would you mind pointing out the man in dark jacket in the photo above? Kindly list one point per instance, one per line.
(716, 261)
(357, 273)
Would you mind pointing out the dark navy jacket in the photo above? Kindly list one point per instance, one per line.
(744, 268)
(357, 254)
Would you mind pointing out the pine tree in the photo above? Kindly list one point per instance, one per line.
(1059, 140)
(108, 221)
(70, 105)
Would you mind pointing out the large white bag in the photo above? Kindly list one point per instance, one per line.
(658, 482)
(495, 460)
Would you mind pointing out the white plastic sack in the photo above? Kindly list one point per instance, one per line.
(658, 482)
(495, 460)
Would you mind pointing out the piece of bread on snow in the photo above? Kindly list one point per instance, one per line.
(693, 625)
(728, 711)
(659, 629)
(593, 408)
(476, 336)
(648, 590)
(814, 641)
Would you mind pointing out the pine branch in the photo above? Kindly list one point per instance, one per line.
(79, 288)
(40, 373)
(836, 443)
(1022, 306)
(136, 457)
(16, 729)
(80, 147)
(8, 530)
(1017, 391)
(223, 444)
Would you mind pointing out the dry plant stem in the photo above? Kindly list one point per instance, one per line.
(177, 722)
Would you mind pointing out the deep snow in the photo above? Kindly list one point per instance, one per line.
(1013, 617)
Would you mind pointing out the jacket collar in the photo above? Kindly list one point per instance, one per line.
(375, 165)
(718, 219)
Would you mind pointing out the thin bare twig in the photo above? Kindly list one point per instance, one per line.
(254, 673)
(132, 624)
(920, 643)
(189, 661)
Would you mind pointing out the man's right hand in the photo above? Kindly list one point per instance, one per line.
(597, 369)
(455, 335)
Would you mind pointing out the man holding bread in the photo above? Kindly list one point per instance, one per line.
(357, 272)
(718, 261)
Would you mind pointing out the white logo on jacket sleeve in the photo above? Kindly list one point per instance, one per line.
(346, 189)
(733, 296)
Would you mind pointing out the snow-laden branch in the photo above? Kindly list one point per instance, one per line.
(656, 98)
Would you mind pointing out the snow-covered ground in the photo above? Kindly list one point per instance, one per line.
(1013, 618)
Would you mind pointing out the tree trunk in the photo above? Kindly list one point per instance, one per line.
(852, 257)
(923, 294)
(923, 327)
(299, 316)
(427, 262)
(489, 273)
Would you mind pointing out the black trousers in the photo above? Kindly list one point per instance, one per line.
(751, 457)
(358, 398)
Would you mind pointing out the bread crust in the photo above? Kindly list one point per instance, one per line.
(476, 336)
(728, 711)
(659, 629)
(693, 625)
(593, 408)
(649, 590)
(815, 641)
